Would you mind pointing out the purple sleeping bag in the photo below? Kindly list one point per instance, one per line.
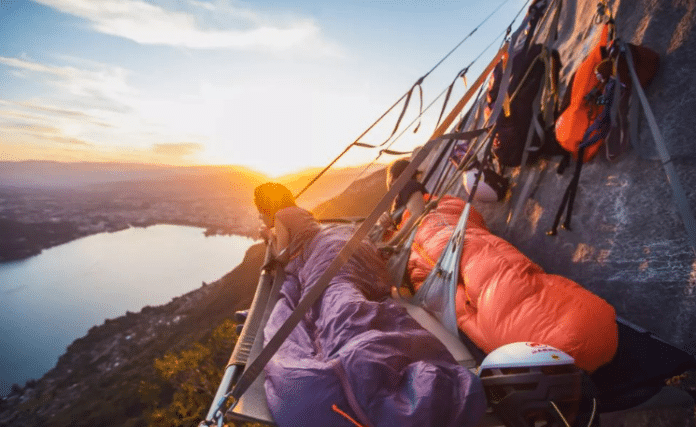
(356, 355)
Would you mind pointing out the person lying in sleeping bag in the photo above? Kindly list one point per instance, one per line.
(356, 358)
(503, 297)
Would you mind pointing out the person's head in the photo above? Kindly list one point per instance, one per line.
(396, 168)
(270, 198)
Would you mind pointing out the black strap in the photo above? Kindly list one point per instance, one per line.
(535, 11)
(364, 145)
(462, 74)
(574, 188)
(444, 152)
(568, 197)
(594, 134)
(403, 110)
(447, 150)
(461, 136)
(678, 192)
(394, 152)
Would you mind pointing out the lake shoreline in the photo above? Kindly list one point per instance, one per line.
(115, 357)
(32, 239)
(82, 284)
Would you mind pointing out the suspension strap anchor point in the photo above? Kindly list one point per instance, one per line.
(220, 413)
(232, 401)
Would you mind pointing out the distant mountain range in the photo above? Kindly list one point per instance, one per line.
(234, 180)
(103, 377)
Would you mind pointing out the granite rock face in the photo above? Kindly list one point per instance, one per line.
(628, 243)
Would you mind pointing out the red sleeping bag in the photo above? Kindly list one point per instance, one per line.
(503, 297)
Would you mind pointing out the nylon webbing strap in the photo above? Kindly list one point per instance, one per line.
(394, 152)
(633, 120)
(507, 74)
(396, 266)
(554, 22)
(527, 174)
(552, 25)
(437, 293)
(678, 193)
(465, 136)
(240, 354)
(472, 89)
(497, 107)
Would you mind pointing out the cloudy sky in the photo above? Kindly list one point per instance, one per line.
(275, 86)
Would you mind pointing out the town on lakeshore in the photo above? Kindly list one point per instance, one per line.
(37, 217)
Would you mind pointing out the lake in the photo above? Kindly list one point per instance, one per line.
(49, 300)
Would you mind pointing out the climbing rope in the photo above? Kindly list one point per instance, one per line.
(448, 91)
(406, 96)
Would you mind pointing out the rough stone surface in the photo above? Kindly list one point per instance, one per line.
(628, 243)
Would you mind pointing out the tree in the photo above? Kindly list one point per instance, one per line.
(194, 374)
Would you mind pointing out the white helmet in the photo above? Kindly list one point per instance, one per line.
(525, 354)
(491, 187)
(529, 384)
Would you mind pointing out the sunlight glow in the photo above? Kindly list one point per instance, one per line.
(273, 88)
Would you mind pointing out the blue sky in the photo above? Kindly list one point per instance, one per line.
(271, 85)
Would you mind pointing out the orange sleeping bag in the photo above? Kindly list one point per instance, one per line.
(503, 297)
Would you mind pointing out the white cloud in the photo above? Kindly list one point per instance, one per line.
(95, 104)
(223, 7)
(29, 65)
(203, 5)
(102, 88)
(85, 104)
(151, 24)
(15, 108)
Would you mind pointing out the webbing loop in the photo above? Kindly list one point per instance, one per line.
(678, 193)
(437, 292)
(408, 94)
(393, 152)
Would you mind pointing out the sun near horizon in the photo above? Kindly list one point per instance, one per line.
(277, 90)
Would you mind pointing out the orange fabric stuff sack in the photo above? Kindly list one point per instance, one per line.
(503, 297)
(574, 121)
